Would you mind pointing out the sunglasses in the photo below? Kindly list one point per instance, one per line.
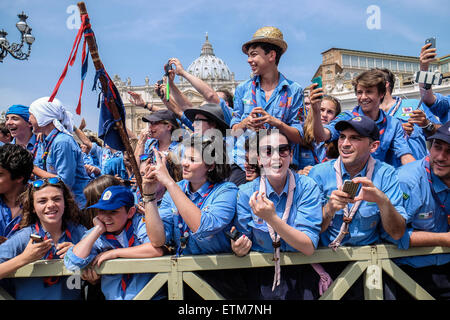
(39, 183)
(284, 150)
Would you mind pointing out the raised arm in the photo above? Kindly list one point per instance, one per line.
(320, 133)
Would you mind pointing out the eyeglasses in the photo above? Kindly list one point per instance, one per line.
(39, 183)
(284, 150)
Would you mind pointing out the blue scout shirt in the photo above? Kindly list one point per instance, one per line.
(115, 166)
(217, 209)
(34, 148)
(100, 155)
(66, 161)
(417, 140)
(424, 212)
(363, 230)
(303, 156)
(441, 107)
(391, 134)
(175, 147)
(33, 288)
(7, 224)
(243, 105)
(111, 283)
(305, 214)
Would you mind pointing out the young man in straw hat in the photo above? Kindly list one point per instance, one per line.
(268, 99)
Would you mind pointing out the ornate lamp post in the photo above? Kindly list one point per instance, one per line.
(15, 49)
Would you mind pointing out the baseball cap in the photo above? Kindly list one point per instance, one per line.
(161, 115)
(365, 126)
(443, 133)
(114, 197)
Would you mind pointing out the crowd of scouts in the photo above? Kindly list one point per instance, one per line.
(261, 171)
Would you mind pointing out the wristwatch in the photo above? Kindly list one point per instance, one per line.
(429, 127)
(148, 197)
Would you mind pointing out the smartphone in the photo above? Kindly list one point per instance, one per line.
(317, 80)
(431, 40)
(350, 187)
(233, 235)
(36, 238)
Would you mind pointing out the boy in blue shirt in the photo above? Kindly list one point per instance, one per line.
(16, 166)
(370, 89)
(425, 185)
(118, 232)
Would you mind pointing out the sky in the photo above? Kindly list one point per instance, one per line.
(137, 37)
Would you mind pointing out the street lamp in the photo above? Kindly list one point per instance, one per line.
(15, 49)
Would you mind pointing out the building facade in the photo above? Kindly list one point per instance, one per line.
(208, 67)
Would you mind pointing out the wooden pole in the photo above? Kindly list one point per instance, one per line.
(111, 103)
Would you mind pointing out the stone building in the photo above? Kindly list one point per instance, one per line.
(208, 67)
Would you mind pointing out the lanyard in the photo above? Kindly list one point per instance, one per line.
(111, 238)
(284, 102)
(50, 281)
(47, 149)
(348, 215)
(183, 227)
(434, 194)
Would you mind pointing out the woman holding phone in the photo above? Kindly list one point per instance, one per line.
(49, 227)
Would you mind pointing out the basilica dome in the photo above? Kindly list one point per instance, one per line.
(208, 66)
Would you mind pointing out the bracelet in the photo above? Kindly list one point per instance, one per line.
(148, 194)
(148, 198)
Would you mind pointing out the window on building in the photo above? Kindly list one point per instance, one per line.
(445, 67)
(362, 62)
(370, 62)
(401, 66)
(394, 65)
(347, 76)
(354, 61)
(409, 67)
(387, 63)
(378, 63)
(346, 60)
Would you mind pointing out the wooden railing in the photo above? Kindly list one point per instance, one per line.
(371, 260)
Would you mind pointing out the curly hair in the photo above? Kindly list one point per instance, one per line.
(17, 161)
(71, 213)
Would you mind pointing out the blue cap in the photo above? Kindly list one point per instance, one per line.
(365, 126)
(20, 110)
(443, 133)
(115, 197)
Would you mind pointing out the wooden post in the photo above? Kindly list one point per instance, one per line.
(113, 108)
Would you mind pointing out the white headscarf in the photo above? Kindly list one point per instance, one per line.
(46, 112)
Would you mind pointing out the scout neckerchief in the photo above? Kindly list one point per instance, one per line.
(434, 194)
(383, 123)
(398, 102)
(183, 227)
(47, 148)
(112, 240)
(348, 215)
(51, 254)
(284, 101)
(276, 243)
(35, 147)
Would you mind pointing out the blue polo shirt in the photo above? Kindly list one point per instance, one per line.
(364, 228)
(424, 211)
(417, 139)
(305, 214)
(111, 283)
(66, 161)
(217, 212)
(392, 139)
(33, 288)
(243, 105)
(6, 222)
(303, 157)
(441, 107)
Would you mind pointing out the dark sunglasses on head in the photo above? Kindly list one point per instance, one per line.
(39, 183)
(284, 150)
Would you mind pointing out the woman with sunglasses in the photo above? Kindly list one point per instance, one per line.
(278, 211)
(49, 227)
(61, 155)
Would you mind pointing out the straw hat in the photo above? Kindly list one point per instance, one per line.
(270, 35)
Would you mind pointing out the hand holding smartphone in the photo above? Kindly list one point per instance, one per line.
(36, 238)
(350, 187)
